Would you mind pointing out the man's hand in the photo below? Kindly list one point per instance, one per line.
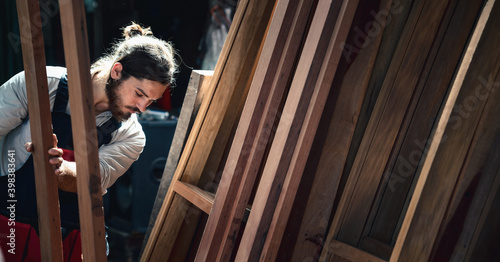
(64, 170)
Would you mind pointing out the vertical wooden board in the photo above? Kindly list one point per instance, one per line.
(76, 52)
(385, 122)
(195, 94)
(261, 109)
(347, 105)
(451, 142)
(308, 130)
(254, 234)
(49, 221)
(331, 22)
(413, 138)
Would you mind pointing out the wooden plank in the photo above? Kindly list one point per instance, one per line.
(385, 122)
(215, 121)
(81, 99)
(195, 94)
(49, 221)
(273, 74)
(396, 22)
(410, 146)
(349, 253)
(200, 198)
(452, 139)
(376, 247)
(332, 160)
(331, 22)
(322, 86)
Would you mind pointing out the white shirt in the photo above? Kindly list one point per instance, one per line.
(115, 158)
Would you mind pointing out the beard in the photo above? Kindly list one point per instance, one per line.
(115, 101)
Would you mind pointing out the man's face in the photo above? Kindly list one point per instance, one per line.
(132, 96)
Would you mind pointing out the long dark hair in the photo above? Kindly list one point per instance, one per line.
(142, 56)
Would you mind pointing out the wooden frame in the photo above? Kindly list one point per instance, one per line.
(211, 130)
(195, 94)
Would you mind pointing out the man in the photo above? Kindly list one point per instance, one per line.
(135, 74)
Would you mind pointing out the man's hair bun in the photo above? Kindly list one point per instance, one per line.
(136, 30)
(142, 56)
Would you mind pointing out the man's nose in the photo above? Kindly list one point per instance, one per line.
(143, 104)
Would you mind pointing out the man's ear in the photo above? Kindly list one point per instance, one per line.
(116, 71)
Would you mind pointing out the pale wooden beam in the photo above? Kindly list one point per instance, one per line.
(198, 197)
(76, 52)
(453, 137)
(49, 221)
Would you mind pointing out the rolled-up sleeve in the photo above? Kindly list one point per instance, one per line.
(124, 149)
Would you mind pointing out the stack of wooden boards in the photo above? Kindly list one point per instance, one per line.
(352, 131)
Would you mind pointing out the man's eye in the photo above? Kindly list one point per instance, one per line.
(138, 94)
